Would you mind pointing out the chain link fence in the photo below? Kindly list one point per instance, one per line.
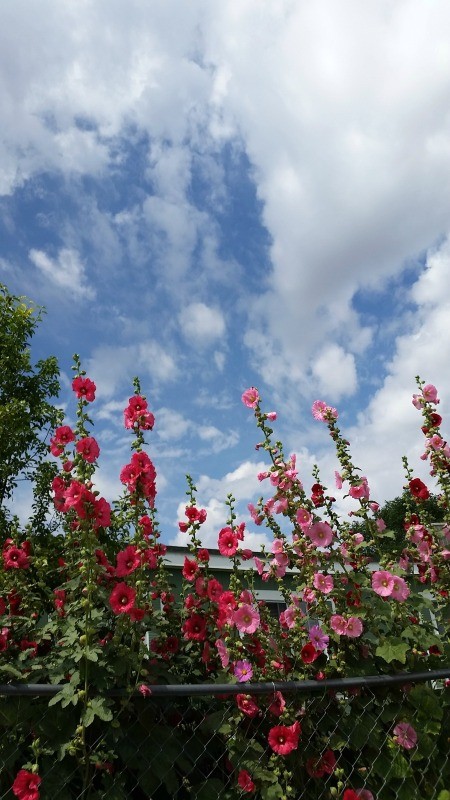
(212, 742)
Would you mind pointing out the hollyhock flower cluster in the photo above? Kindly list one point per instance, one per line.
(195, 516)
(139, 476)
(387, 585)
(350, 626)
(136, 414)
(71, 495)
(322, 412)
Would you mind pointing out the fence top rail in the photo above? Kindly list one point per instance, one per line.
(195, 690)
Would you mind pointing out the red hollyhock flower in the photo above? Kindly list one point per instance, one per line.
(190, 569)
(15, 558)
(122, 598)
(88, 449)
(308, 653)
(195, 628)
(26, 785)
(83, 387)
(245, 781)
(350, 794)
(283, 739)
(127, 561)
(418, 489)
(247, 705)
(228, 542)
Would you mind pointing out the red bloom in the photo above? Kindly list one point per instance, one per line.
(26, 785)
(245, 781)
(127, 561)
(283, 739)
(190, 569)
(247, 705)
(228, 542)
(350, 794)
(88, 449)
(122, 598)
(84, 388)
(62, 436)
(195, 628)
(15, 557)
(325, 765)
(418, 489)
(309, 653)
(214, 590)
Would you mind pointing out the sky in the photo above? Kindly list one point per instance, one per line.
(218, 195)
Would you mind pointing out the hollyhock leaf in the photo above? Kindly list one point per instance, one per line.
(391, 651)
(444, 795)
(273, 792)
(426, 702)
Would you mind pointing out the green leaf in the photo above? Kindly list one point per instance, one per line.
(272, 792)
(444, 795)
(391, 651)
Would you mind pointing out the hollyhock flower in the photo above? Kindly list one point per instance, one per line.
(400, 590)
(338, 624)
(358, 538)
(214, 590)
(102, 513)
(303, 517)
(203, 555)
(383, 583)
(318, 638)
(271, 416)
(324, 765)
(364, 794)
(243, 671)
(145, 690)
(122, 598)
(250, 397)
(308, 653)
(320, 534)
(223, 652)
(128, 561)
(361, 490)
(418, 489)
(322, 412)
(381, 525)
(88, 449)
(308, 596)
(338, 480)
(350, 794)
(405, 735)
(15, 558)
(288, 617)
(194, 628)
(83, 387)
(245, 781)
(324, 583)
(247, 705)
(228, 542)
(277, 705)
(283, 739)
(246, 619)
(354, 627)
(26, 785)
(429, 393)
(190, 569)
(62, 437)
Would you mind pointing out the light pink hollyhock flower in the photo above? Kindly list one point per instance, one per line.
(381, 525)
(271, 415)
(383, 583)
(243, 671)
(400, 590)
(288, 617)
(277, 546)
(354, 627)
(405, 735)
(324, 583)
(338, 624)
(246, 619)
(429, 393)
(303, 517)
(322, 412)
(281, 506)
(358, 538)
(250, 397)
(338, 480)
(320, 534)
(223, 652)
(417, 401)
(259, 565)
(309, 596)
(435, 442)
(374, 507)
(361, 490)
(318, 638)
(246, 597)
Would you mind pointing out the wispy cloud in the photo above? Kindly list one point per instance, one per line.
(66, 271)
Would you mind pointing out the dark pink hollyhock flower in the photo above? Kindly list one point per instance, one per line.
(88, 449)
(245, 781)
(128, 561)
(26, 785)
(15, 558)
(228, 542)
(122, 598)
(283, 739)
(84, 387)
(247, 705)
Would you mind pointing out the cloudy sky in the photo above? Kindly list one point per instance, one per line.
(214, 195)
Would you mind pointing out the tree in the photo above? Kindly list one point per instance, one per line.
(26, 415)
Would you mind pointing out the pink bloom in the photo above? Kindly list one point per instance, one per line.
(358, 538)
(338, 480)
(354, 627)
(361, 490)
(271, 416)
(338, 624)
(246, 619)
(15, 557)
(250, 397)
(122, 598)
(243, 671)
(223, 653)
(405, 735)
(318, 638)
(381, 525)
(62, 437)
(283, 739)
(383, 583)
(400, 589)
(145, 690)
(26, 785)
(322, 412)
(228, 542)
(88, 449)
(429, 393)
(320, 534)
(245, 781)
(288, 617)
(83, 387)
(308, 595)
(324, 583)
(303, 517)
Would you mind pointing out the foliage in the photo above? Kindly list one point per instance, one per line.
(77, 613)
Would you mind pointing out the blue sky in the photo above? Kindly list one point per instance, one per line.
(215, 195)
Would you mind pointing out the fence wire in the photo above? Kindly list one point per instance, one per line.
(200, 742)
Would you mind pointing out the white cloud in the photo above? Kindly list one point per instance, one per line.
(113, 366)
(335, 371)
(201, 324)
(66, 271)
